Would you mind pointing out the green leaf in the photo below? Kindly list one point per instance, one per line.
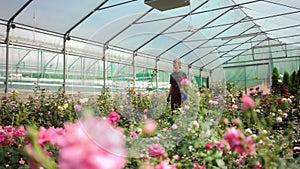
(221, 163)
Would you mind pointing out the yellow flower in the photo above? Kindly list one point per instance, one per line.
(14, 92)
(230, 96)
(147, 97)
(60, 108)
(66, 105)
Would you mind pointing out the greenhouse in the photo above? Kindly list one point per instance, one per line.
(101, 72)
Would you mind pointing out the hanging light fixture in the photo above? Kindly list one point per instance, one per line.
(164, 5)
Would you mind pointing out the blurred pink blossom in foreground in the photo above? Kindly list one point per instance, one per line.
(149, 127)
(237, 140)
(247, 103)
(185, 82)
(91, 143)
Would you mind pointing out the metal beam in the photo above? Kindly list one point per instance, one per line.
(265, 59)
(193, 32)
(204, 11)
(276, 3)
(8, 27)
(218, 47)
(279, 37)
(19, 11)
(208, 40)
(18, 64)
(228, 52)
(84, 18)
(128, 26)
(253, 19)
(45, 66)
(91, 65)
(237, 54)
(170, 26)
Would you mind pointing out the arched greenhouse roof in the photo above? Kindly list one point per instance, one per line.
(205, 34)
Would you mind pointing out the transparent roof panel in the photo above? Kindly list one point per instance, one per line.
(8, 9)
(56, 15)
(109, 21)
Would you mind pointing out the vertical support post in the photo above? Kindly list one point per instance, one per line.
(252, 50)
(82, 67)
(64, 64)
(7, 57)
(105, 47)
(188, 73)
(209, 81)
(245, 73)
(41, 66)
(156, 77)
(285, 50)
(200, 75)
(270, 63)
(270, 71)
(38, 68)
(133, 68)
(270, 56)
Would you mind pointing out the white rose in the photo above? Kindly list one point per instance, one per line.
(278, 119)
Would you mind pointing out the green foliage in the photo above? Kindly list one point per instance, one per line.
(275, 78)
(293, 85)
(232, 90)
(202, 119)
(104, 103)
(41, 109)
(298, 77)
(10, 157)
(286, 79)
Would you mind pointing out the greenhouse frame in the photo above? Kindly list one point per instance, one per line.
(83, 46)
(150, 84)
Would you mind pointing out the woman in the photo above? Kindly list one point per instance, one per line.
(176, 77)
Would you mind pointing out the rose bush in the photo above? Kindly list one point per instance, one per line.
(210, 130)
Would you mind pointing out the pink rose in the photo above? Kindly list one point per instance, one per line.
(49, 135)
(247, 103)
(176, 157)
(113, 118)
(91, 143)
(77, 107)
(296, 148)
(198, 166)
(20, 131)
(236, 122)
(133, 134)
(165, 165)
(233, 136)
(249, 146)
(185, 82)
(220, 145)
(209, 146)
(156, 150)
(225, 121)
(21, 161)
(257, 165)
(149, 127)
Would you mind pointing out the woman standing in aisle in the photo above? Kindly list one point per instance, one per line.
(175, 93)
